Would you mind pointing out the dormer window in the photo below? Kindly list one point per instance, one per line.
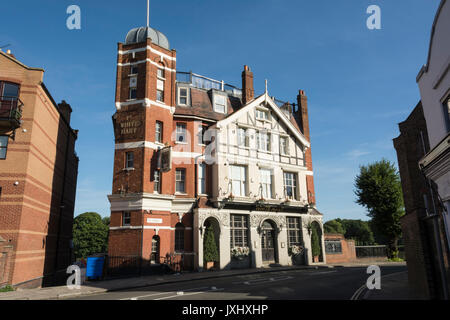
(183, 98)
(220, 103)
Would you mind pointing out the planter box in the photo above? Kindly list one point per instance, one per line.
(209, 265)
(240, 263)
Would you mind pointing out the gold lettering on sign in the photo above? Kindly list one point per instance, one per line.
(129, 127)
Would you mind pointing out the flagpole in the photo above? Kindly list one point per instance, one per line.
(148, 13)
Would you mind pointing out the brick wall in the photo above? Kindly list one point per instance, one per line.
(348, 250)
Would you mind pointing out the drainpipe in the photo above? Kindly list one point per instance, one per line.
(61, 207)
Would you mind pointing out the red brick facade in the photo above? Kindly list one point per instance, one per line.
(38, 181)
(348, 253)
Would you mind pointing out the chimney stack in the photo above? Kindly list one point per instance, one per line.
(65, 110)
(302, 114)
(248, 92)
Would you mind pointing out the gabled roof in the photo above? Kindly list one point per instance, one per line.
(265, 98)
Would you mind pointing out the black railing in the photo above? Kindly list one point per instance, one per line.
(377, 251)
(125, 266)
(11, 110)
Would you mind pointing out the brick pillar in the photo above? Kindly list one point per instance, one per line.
(248, 92)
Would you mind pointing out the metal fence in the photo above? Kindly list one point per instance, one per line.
(122, 266)
(376, 251)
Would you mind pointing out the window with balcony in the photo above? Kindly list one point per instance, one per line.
(263, 141)
(158, 131)
(180, 180)
(3, 146)
(181, 133)
(10, 104)
(129, 160)
(290, 185)
(265, 178)
(126, 219)
(238, 178)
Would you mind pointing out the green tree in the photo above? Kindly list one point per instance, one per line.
(333, 226)
(358, 230)
(90, 235)
(210, 252)
(378, 188)
(315, 242)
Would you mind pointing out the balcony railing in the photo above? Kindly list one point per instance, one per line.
(202, 82)
(10, 111)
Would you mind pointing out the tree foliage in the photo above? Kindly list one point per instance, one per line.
(357, 230)
(90, 234)
(378, 188)
(210, 252)
(334, 226)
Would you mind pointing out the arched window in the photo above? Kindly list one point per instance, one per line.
(179, 237)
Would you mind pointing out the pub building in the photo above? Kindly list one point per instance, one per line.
(193, 152)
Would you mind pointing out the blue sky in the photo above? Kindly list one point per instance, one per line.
(360, 83)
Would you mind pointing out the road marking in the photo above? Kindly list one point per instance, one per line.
(190, 294)
(161, 293)
(358, 293)
(262, 280)
(319, 273)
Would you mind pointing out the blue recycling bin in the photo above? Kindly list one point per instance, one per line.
(94, 267)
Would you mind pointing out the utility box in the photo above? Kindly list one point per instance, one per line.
(94, 268)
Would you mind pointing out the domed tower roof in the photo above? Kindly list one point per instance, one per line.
(141, 34)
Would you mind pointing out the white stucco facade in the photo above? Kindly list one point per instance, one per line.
(246, 197)
(434, 84)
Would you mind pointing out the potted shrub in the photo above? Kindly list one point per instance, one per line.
(315, 245)
(210, 252)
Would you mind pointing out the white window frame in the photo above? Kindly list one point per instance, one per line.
(127, 159)
(263, 141)
(160, 89)
(202, 178)
(157, 181)
(294, 184)
(259, 111)
(267, 186)
(126, 216)
(238, 182)
(180, 177)
(160, 132)
(242, 141)
(284, 151)
(180, 96)
(216, 104)
(183, 133)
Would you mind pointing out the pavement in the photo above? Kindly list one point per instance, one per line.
(394, 286)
